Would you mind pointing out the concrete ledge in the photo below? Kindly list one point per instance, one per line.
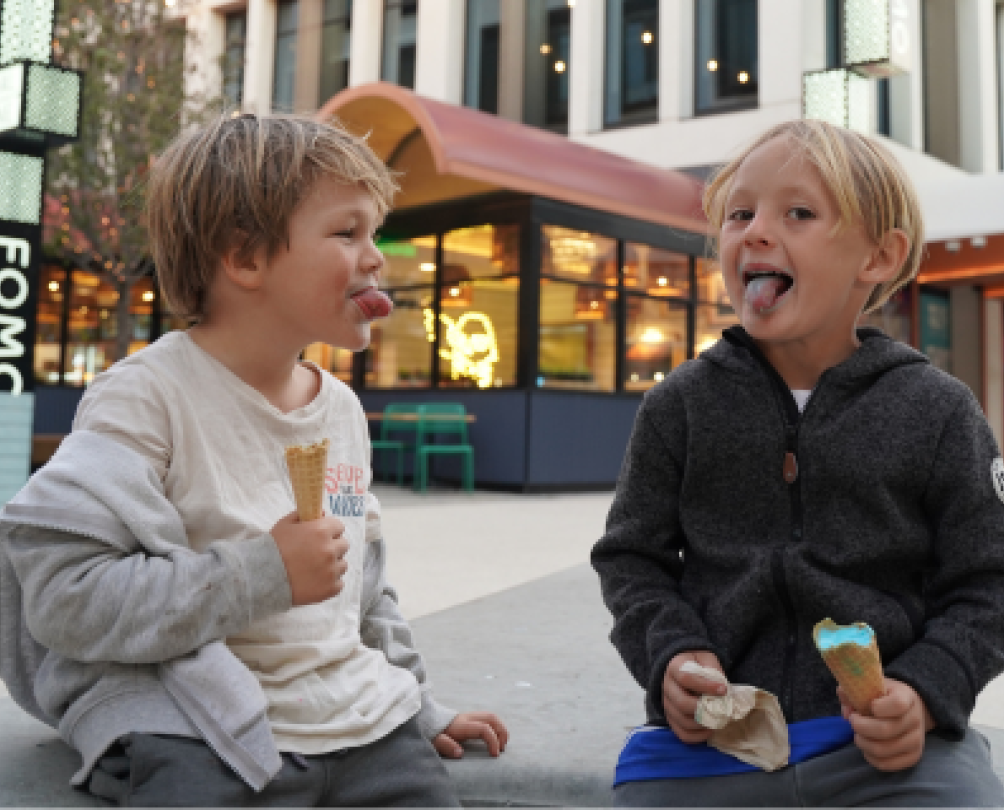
(537, 655)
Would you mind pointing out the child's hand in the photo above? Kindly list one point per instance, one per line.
(892, 736)
(472, 726)
(681, 691)
(312, 553)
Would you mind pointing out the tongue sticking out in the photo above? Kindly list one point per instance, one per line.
(373, 303)
(763, 291)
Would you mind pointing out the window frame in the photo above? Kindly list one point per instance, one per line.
(731, 104)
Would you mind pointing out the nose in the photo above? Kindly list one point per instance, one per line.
(373, 260)
(758, 232)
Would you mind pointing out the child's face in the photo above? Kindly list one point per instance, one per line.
(330, 255)
(792, 274)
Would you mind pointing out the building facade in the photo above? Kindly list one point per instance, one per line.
(677, 85)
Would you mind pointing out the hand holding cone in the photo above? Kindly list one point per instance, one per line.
(852, 656)
(307, 464)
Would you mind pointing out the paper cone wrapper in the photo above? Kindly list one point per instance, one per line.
(858, 669)
(307, 464)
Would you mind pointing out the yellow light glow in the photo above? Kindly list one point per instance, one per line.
(647, 37)
(148, 296)
(54, 286)
(454, 291)
(427, 267)
(706, 344)
(743, 77)
(662, 281)
(545, 48)
(652, 335)
(471, 353)
(559, 67)
(712, 65)
(658, 376)
(594, 304)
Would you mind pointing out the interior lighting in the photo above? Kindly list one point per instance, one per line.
(594, 304)
(712, 65)
(472, 352)
(634, 378)
(647, 37)
(148, 296)
(545, 48)
(662, 281)
(658, 376)
(454, 291)
(54, 286)
(169, 3)
(953, 245)
(427, 267)
(978, 241)
(743, 77)
(559, 67)
(652, 335)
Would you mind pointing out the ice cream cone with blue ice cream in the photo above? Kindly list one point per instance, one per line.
(852, 655)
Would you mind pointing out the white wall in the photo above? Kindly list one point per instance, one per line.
(260, 55)
(977, 84)
(585, 70)
(439, 67)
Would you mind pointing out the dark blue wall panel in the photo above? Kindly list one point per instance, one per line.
(55, 408)
(578, 440)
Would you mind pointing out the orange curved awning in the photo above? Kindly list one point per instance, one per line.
(449, 152)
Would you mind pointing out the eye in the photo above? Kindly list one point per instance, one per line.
(741, 215)
(800, 212)
(349, 233)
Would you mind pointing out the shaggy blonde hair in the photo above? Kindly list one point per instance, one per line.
(868, 184)
(237, 182)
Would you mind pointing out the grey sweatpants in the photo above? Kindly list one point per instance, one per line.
(399, 770)
(950, 774)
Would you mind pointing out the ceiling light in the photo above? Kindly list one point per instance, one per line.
(647, 37)
(427, 267)
(743, 77)
(559, 67)
(712, 65)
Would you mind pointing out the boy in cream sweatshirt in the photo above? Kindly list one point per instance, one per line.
(192, 638)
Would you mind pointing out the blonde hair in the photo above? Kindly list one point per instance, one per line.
(868, 183)
(241, 178)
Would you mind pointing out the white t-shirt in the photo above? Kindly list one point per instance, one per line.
(801, 398)
(217, 444)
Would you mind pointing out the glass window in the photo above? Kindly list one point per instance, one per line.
(92, 328)
(727, 58)
(714, 314)
(479, 305)
(579, 255)
(331, 358)
(481, 62)
(834, 34)
(142, 299)
(335, 39)
(400, 350)
(400, 19)
(656, 272)
(632, 61)
(656, 341)
(284, 76)
(578, 336)
(408, 262)
(233, 58)
(49, 328)
(545, 71)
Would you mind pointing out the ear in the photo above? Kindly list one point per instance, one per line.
(243, 270)
(887, 259)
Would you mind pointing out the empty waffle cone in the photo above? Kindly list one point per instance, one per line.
(857, 667)
(307, 464)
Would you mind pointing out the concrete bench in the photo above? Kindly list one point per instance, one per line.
(537, 655)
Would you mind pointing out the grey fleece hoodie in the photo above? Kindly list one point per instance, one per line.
(110, 623)
(892, 518)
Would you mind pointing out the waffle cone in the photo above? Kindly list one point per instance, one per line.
(857, 669)
(307, 464)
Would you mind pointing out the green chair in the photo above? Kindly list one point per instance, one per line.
(442, 419)
(389, 425)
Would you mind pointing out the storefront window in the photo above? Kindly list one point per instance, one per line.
(141, 313)
(335, 40)
(547, 45)
(656, 272)
(92, 328)
(578, 336)
(632, 61)
(49, 328)
(727, 65)
(400, 351)
(400, 18)
(408, 262)
(656, 341)
(331, 358)
(481, 61)
(579, 255)
(936, 328)
(233, 58)
(714, 313)
(284, 75)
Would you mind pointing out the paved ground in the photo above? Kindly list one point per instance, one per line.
(448, 548)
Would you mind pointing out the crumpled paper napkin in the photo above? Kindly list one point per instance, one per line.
(747, 722)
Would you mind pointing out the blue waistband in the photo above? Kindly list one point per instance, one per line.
(655, 752)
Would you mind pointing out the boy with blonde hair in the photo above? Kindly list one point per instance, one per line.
(194, 640)
(805, 468)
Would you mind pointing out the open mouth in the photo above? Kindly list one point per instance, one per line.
(765, 288)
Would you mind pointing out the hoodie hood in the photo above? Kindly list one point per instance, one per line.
(737, 352)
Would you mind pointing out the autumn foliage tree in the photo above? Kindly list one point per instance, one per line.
(137, 95)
